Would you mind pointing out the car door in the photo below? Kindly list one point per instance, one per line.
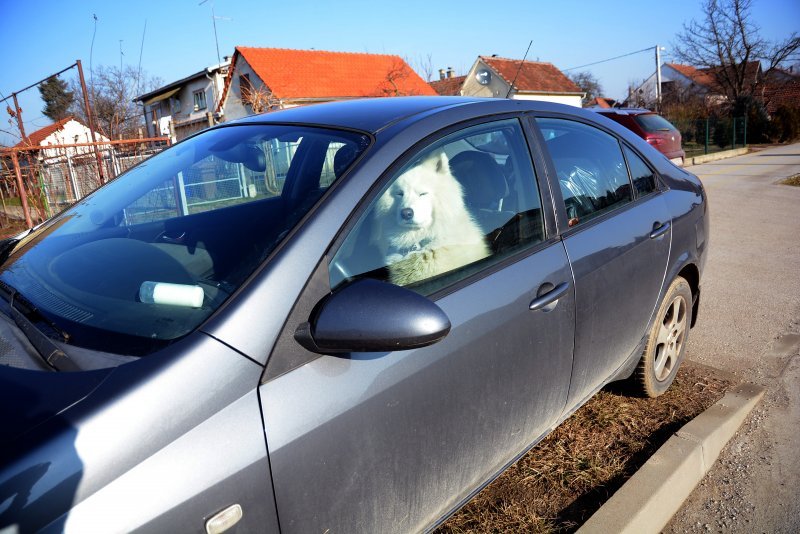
(617, 237)
(391, 441)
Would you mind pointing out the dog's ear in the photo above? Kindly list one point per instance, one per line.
(442, 163)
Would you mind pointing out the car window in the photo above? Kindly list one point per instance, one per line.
(652, 122)
(591, 170)
(148, 257)
(460, 204)
(644, 180)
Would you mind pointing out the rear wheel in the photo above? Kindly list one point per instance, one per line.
(666, 343)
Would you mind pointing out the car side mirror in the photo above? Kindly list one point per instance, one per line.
(372, 316)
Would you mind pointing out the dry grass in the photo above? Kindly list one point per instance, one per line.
(792, 180)
(567, 477)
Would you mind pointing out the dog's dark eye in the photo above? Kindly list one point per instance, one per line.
(398, 193)
(423, 193)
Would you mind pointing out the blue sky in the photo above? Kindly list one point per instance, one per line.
(39, 37)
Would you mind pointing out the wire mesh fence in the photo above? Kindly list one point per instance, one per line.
(41, 181)
(710, 134)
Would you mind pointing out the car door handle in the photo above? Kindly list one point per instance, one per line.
(659, 229)
(549, 297)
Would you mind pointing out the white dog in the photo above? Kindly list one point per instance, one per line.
(425, 228)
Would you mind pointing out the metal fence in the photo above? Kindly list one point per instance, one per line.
(711, 134)
(38, 182)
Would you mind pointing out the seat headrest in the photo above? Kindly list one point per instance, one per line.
(342, 160)
(481, 177)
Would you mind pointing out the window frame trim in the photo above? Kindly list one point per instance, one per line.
(558, 201)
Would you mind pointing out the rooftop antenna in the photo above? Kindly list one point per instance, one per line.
(141, 50)
(511, 87)
(214, 22)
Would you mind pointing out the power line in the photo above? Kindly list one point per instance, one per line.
(611, 59)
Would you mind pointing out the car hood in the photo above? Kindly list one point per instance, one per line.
(29, 398)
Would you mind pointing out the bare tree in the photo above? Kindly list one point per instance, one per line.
(588, 83)
(115, 114)
(393, 83)
(424, 66)
(259, 98)
(727, 41)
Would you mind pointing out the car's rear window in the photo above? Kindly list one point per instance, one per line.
(652, 122)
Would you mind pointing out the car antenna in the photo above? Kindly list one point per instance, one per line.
(519, 69)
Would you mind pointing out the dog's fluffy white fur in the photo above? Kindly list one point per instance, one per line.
(424, 226)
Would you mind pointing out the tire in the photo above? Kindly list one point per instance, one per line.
(666, 343)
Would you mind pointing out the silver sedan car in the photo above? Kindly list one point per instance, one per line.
(345, 317)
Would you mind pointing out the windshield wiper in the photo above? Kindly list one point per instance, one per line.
(48, 351)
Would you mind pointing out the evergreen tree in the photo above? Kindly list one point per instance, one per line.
(56, 97)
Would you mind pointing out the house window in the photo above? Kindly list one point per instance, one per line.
(199, 100)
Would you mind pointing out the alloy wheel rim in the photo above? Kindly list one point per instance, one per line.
(671, 335)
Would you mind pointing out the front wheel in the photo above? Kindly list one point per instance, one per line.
(666, 343)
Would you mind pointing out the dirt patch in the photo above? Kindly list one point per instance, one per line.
(562, 481)
(11, 227)
(792, 180)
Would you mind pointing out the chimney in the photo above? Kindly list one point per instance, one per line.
(450, 72)
(441, 74)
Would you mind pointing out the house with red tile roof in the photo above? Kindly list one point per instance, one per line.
(264, 79)
(448, 83)
(680, 82)
(67, 131)
(497, 77)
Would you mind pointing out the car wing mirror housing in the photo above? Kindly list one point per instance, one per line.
(372, 316)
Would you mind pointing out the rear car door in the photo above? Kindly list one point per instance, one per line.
(617, 234)
(391, 441)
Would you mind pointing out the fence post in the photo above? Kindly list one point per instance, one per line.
(23, 196)
(706, 146)
(745, 131)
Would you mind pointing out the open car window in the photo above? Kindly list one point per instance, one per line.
(145, 259)
(457, 206)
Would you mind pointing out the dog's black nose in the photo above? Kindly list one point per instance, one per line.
(407, 214)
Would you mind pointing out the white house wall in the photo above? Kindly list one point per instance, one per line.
(233, 106)
(73, 132)
(570, 100)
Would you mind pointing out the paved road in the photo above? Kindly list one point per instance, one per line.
(749, 324)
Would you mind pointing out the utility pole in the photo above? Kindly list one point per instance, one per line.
(18, 112)
(91, 122)
(658, 78)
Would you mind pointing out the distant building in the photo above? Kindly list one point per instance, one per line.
(497, 77)
(683, 82)
(183, 107)
(67, 131)
(264, 79)
(448, 83)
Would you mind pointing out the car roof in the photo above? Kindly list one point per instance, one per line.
(626, 111)
(368, 114)
(375, 114)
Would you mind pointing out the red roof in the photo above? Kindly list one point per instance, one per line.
(448, 86)
(700, 77)
(317, 74)
(41, 134)
(707, 77)
(534, 76)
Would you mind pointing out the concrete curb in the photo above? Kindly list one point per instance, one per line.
(650, 498)
(705, 158)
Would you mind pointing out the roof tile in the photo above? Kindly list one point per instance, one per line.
(532, 76)
(321, 74)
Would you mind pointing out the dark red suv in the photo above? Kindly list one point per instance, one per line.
(651, 127)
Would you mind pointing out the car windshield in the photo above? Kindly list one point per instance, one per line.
(651, 122)
(148, 257)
